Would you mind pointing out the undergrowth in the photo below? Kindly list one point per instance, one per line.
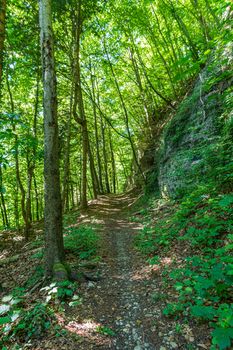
(81, 241)
(199, 229)
(21, 321)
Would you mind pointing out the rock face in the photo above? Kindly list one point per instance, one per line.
(192, 137)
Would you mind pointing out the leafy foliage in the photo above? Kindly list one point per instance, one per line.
(60, 291)
(82, 241)
(34, 322)
(105, 331)
(202, 221)
(156, 51)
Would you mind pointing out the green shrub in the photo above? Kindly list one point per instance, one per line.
(60, 291)
(204, 283)
(82, 241)
(34, 322)
(18, 323)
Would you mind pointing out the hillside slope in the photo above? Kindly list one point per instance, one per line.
(198, 138)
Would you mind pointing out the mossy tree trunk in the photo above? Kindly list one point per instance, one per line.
(54, 247)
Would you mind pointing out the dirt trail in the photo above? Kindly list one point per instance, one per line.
(123, 310)
(119, 300)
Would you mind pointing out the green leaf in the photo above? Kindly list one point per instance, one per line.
(4, 320)
(222, 337)
(178, 286)
(206, 312)
(188, 290)
(226, 201)
(69, 292)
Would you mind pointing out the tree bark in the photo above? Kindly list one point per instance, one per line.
(36, 199)
(114, 174)
(2, 35)
(126, 116)
(105, 156)
(54, 246)
(17, 168)
(94, 177)
(78, 102)
(66, 173)
(96, 135)
(148, 118)
(3, 203)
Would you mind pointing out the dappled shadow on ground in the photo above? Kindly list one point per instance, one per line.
(116, 302)
(131, 294)
(123, 309)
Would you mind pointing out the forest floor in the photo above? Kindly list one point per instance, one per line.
(122, 309)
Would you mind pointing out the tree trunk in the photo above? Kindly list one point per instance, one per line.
(3, 203)
(17, 169)
(54, 247)
(36, 199)
(78, 102)
(126, 117)
(95, 181)
(184, 30)
(30, 169)
(65, 194)
(114, 181)
(33, 176)
(16, 208)
(2, 36)
(105, 156)
(148, 118)
(97, 136)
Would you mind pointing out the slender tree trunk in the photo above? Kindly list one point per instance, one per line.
(31, 161)
(30, 169)
(17, 168)
(114, 181)
(16, 207)
(156, 91)
(72, 195)
(36, 199)
(105, 156)
(54, 247)
(65, 195)
(3, 216)
(149, 121)
(95, 181)
(126, 117)
(184, 30)
(4, 210)
(120, 155)
(84, 166)
(2, 36)
(211, 11)
(81, 118)
(33, 165)
(78, 102)
(96, 135)
(199, 16)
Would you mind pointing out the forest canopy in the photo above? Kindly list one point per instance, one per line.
(134, 61)
(116, 174)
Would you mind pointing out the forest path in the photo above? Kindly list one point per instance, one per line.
(119, 300)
